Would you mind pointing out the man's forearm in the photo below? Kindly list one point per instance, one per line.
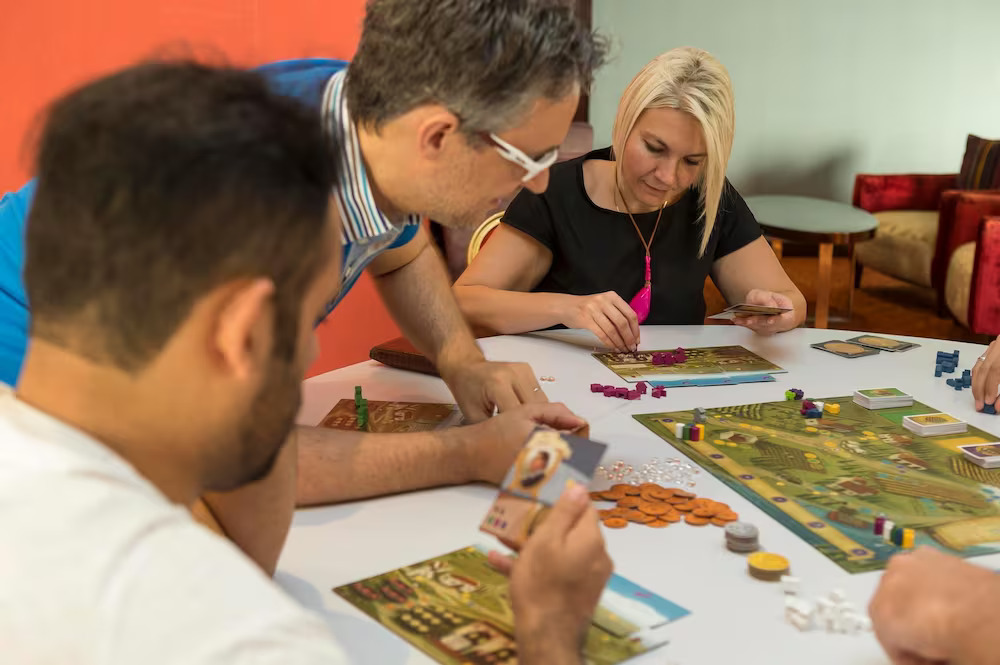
(421, 302)
(336, 465)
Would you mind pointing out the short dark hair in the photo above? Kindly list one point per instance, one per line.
(159, 183)
(485, 60)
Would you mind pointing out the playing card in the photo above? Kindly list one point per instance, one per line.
(879, 394)
(845, 349)
(934, 424)
(747, 309)
(883, 343)
(984, 454)
(548, 464)
(934, 419)
(882, 398)
(513, 518)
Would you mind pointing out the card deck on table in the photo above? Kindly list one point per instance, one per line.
(934, 424)
(883, 343)
(984, 454)
(549, 463)
(845, 349)
(746, 309)
(882, 398)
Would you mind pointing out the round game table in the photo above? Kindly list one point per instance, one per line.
(818, 222)
(734, 617)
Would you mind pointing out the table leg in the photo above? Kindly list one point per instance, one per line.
(777, 246)
(823, 285)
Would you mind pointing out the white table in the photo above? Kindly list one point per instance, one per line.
(735, 619)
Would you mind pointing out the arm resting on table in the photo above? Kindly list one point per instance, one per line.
(337, 465)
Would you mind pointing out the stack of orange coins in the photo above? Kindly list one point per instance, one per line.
(657, 506)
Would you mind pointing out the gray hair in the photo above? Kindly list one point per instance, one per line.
(487, 61)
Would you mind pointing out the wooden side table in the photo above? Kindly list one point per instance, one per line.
(820, 222)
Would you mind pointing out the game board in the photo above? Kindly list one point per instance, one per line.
(391, 417)
(827, 479)
(456, 609)
(710, 365)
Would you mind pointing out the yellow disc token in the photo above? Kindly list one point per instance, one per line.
(767, 566)
(767, 561)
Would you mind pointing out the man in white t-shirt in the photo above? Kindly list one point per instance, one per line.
(181, 246)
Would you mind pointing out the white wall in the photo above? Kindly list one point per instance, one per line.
(824, 89)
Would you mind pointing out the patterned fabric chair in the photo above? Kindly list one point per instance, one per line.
(906, 207)
(924, 219)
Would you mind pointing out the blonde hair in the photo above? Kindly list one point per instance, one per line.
(690, 80)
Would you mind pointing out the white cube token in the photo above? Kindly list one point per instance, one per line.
(849, 623)
(799, 613)
(790, 585)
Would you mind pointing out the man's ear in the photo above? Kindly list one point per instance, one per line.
(436, 128)
(244, 330)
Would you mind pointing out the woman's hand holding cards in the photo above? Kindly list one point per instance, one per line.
(768, 325)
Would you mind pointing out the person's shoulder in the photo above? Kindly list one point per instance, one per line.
(304, 79)
(16, 204)
(303, 67)
(566, 177)
(729, 191)
(733, 204)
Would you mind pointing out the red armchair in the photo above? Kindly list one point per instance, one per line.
(972, 284)
(959, 215)
(984, 298)
(906, 207)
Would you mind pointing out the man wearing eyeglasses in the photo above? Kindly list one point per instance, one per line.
(448, 107)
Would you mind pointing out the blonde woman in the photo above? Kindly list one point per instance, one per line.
(627, 235)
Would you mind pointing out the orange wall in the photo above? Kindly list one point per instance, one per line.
(47, 46)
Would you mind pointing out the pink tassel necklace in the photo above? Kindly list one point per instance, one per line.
(642, 301)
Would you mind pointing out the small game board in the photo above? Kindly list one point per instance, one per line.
(710, 365)
(394, 417)
(456, 609)
(828, 478)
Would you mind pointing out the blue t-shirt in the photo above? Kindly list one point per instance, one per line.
(13, 301)
(304, 80)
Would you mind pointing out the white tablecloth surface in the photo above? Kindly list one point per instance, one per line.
(735, 618)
